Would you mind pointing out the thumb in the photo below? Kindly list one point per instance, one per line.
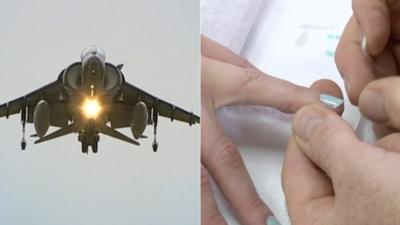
(373, 17)
(320, 148)
(326, 139)
(309, 193)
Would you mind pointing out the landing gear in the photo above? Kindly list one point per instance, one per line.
(23, 122)
(89, 140)
(85, 147)
(23, 144)
(155, 146)
(94, 147)
(155, 120)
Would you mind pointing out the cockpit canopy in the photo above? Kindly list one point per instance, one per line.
(93, 50)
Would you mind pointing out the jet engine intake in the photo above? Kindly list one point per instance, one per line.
(41, 118)
(139, 119)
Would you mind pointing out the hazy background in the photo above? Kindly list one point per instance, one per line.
(53, 182)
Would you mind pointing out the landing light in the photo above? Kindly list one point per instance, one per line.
(91, 108)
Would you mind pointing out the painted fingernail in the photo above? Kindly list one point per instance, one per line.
(272, 221)
(364, 44)
(331, 101)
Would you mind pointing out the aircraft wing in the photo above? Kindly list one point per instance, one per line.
(49, 92)
(132, 95)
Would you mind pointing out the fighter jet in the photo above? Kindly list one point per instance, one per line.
(92, 97)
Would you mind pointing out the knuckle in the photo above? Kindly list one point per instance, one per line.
(300, 92)
(254, 204)
(249, 81)
(226, 153)
(289, 107)
(376, 7)
(252, 75)
(214, 219)
(243, 62)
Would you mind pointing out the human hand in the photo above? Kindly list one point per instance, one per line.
(331, 177)
(369, 48)
(228, 79)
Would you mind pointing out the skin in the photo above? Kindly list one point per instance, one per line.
(379, 21)
(228, 79)
(329, 175)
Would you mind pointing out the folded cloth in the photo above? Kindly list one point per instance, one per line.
(228, 21)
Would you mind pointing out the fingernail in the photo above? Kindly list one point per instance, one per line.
(330, 101)
(305, 122)
(364, 44)
(272, 221)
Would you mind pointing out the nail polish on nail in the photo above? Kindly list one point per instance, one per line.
(330, 101)
(272, 221)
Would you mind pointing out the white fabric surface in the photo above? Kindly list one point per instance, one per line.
(229, 21)
(291, 39)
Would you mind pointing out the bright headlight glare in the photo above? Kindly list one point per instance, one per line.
(91, 108)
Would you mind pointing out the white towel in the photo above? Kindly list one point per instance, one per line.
(229, 21)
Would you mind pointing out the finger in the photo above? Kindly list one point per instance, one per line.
(390, 142)
(380, 102)
(226, 84)
(354, 65)
(308, 191)
(222, 159)
(325, 139)
(210, 214)
(214, 50)
(381, 130)
(328, 87)
(373, 17)
(331, 88)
